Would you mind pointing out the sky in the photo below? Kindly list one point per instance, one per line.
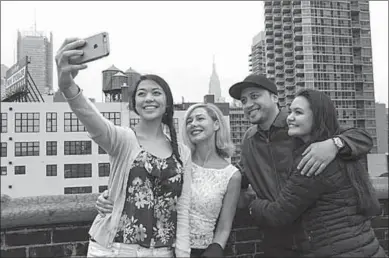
(176, 40)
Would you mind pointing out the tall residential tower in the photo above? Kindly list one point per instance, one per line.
(257, 58)
(325, 45)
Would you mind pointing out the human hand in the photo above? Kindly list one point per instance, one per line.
(316, 157)
(103, 204)
(63, 59)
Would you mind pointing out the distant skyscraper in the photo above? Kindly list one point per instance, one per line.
(325, 45)
(214, 84)
(257, 58)
(39, 49)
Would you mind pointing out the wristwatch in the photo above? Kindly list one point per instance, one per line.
(338, 142)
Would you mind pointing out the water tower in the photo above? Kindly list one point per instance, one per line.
(111, 91)
(118, 81)
(132, 78)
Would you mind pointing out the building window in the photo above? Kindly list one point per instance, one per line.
(20, 170)
(78, 190)
(51, 148)
(78, 170)
(72, 123)
(78, 147)
(51, 170)
(104, 169)
(102, 151)
(114, 117)
(3, 149)
(102, 188)
(133, 122)
(51, 122)
(26, 149)
(27, 122)
(3, 171)
(4, 122)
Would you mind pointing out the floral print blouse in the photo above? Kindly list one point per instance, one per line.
(149, 216)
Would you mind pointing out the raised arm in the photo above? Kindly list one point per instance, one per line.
(296, 196)
(100, 129)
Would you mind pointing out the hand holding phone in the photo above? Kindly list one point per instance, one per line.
(95, 47)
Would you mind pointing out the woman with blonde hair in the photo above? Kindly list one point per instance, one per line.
(215, 182)
(215, 185)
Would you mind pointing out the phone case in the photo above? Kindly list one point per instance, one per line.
(96, 47)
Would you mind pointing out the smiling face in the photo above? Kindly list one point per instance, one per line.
(150, 100)
(300, 119)
(200, 126)
(258, 104)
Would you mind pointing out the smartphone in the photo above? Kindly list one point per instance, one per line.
(96, 47)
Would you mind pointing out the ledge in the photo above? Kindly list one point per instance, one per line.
(58, 209)
(44, 210)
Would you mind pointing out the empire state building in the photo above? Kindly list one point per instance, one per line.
(214, 85)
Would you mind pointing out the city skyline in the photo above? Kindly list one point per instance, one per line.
(181, 51)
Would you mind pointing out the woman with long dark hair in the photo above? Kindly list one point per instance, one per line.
(149, 180)
(334, 208)
(215, 184)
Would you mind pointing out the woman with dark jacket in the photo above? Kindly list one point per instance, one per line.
(333, 209)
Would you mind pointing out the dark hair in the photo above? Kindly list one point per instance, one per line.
(325, 125)
(167, 118)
